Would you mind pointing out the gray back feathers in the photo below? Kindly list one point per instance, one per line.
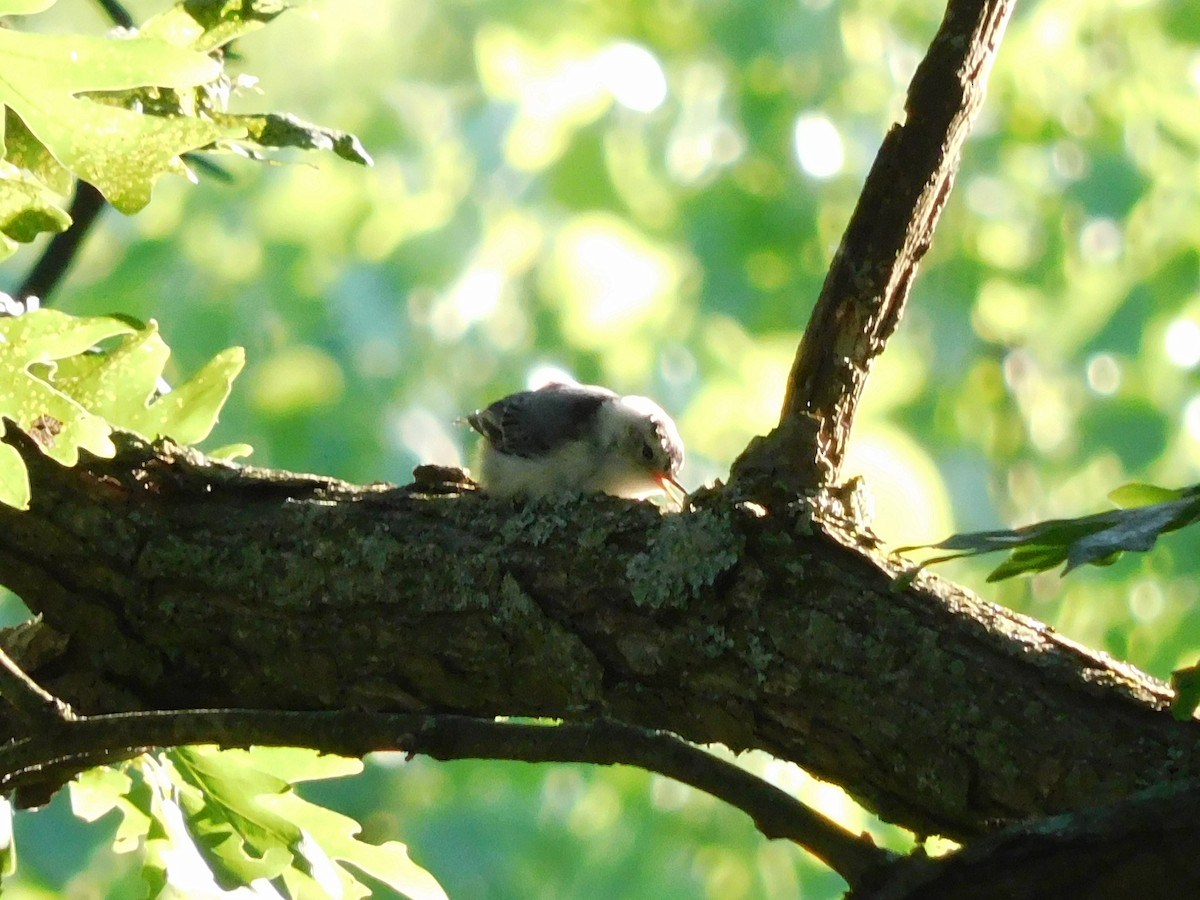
(564, 412)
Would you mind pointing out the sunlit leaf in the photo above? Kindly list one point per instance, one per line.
(98, 791)
(333, 835)
(120, 151)
(207, 26)
(238, 838)
(230, 452)
(8, 848)
(286, 130)
(26, 152)
(14, 478)
(246, 822)
(60, 425)
(68, 398)
(122, 386)
(1137, 494)
(1186, 684)
(23, 7)
(296, 764)
(1089, 540)
(27, 208)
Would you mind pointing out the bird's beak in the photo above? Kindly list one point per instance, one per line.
(672, 488)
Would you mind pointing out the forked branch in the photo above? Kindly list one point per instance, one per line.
(864, 294)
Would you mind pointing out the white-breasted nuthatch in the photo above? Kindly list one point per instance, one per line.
(576, 437)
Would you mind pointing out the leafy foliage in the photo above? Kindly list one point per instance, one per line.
(119, 111)
(1096, 540)
(8, 849)
(207, 26)
(69, 397)
(118, 150)
(1186, 684)
(231, 818)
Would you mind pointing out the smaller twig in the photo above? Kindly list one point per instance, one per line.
(117, 12)
(50, 268)
(32, 703)
(40, 762)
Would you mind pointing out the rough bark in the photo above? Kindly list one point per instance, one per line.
(867, 287)
(182, 583)
(1143, 847)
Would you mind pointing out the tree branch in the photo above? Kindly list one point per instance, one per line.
(117, 13)
(868, 283)
(90, 740)
(50, 268)
(39, 708)
(1142, 846)
(182, 583)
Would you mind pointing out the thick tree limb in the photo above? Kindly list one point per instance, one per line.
(864, 293)
(185, 584)
(1143, 846)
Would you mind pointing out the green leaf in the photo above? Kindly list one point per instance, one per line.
(98, 791)
(246, 822)
(286, 130)
(8, 847)
(296, 764)
(120, 151)
(1134, 529)
(209, 25)
(26, 152)
(1135, 494)
(121, 385)
(175, 859)
(27, 208)
(1028, 560)
(1088, 540)
(119, 111)
(68, 399)
(230, 452)
(14, 478)
(237, 837)
(60, 425)
(1186, 684)
(24, 7)
(332, 836)
(189, 412)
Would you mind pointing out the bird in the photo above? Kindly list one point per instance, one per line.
(581, 438)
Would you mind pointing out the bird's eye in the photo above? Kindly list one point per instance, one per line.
(647, 452)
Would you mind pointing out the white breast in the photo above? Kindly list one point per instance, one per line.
(571, 467)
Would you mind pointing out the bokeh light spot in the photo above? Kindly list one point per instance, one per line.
(633, 75)
(1100, 241)
(1183, 343)
(1103, 374)
(818, 146)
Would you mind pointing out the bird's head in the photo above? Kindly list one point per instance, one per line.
(646, 443)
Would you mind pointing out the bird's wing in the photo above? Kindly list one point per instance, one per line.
(532, 423)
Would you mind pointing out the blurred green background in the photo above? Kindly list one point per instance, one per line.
(646, 194)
